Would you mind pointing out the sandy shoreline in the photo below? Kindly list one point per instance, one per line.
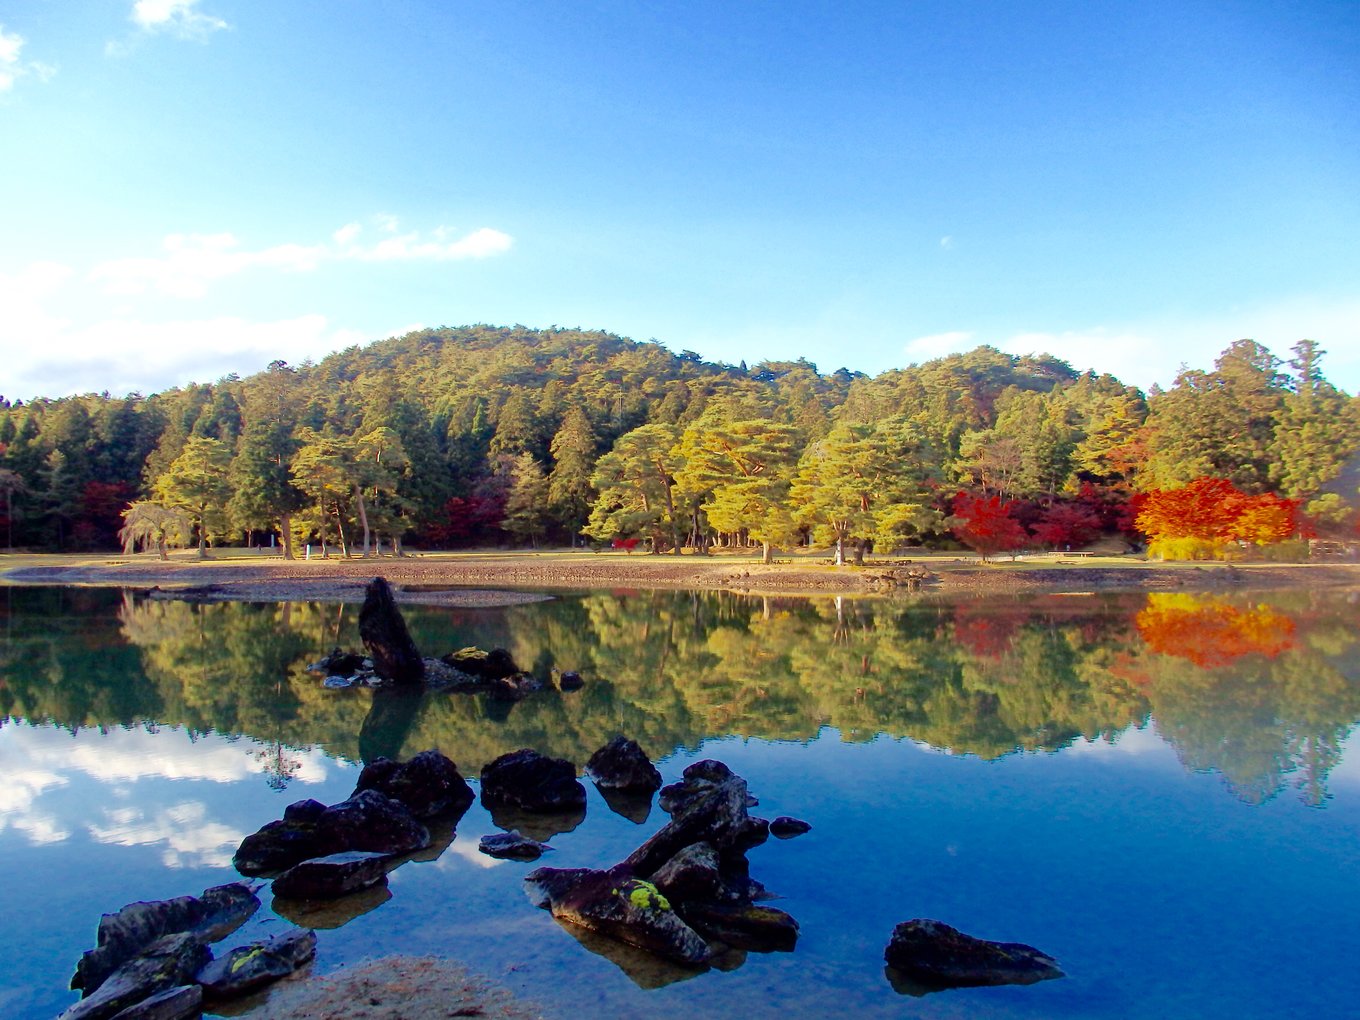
(484, 579)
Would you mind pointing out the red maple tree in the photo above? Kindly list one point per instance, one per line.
(985, 525)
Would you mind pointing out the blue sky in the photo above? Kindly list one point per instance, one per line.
(194, 187)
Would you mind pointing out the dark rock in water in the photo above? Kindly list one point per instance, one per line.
(785, 827)
(742, 925)
(512, 846)
(694, 873)
(622, 765)
(372, 821)
(338, 663)
(369, 820)
(615, 903)
(931, 955)
(395, 656)
(327, 878)
(708, 806)
(253, 966)
(121, 936)
(304, 812)
(516, 687)
(278, 845)
(181, 1003)
(570, 681)
(493, 665)
(166, 963)
(527, 780)
(429, 784)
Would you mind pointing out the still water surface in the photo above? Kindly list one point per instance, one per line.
(1162, 791)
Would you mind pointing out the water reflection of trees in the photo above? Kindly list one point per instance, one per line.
(1263, 694)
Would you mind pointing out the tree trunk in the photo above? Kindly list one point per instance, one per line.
(363, 516)
(340, 531)
(286, 531)
(859, 554)
(766, 552)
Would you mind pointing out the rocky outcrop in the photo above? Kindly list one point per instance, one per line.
(123, 935)
(257, 964)
(620, 905)
(930, 955)
(332, 876)
(395, 656)
(367, 821)
(429, 784)
(527, 780)
(622, 765)
(710, 806)
(687, 887)
(167, 962)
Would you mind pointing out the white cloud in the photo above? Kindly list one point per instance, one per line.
(936, 345)
(190, 838)
(192, 261)
(947, 242)
(103, 356)
(12, 68)
(1150, 351)
(178, 17)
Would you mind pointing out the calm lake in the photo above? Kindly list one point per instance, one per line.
(1162, 791)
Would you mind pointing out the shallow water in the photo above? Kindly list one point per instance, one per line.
(1162, 791)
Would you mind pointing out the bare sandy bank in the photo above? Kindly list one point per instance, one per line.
(498, 578)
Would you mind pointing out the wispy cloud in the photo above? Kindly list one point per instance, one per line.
(190, 262)
(180, 18)
(13, 67)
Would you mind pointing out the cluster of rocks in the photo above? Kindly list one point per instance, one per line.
(152, 961)
(393, 658)
(686, 893)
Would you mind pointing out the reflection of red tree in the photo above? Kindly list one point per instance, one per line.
(983, 631)
(1210, 632)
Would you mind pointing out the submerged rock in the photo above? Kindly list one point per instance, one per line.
(183, 1002)
(333, 876)
(496, 664)
(429, 784)
(167, 962)
(512, 846)
(622, 765)
(123, 935)
(395, 656)
(253, 966)
(617, 904)
(931, 955)
(529, 781)
(743, 925)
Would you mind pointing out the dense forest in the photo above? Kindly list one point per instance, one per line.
(481, 435)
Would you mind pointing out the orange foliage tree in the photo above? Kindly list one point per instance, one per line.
(1202, 519)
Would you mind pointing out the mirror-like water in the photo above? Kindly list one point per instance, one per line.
(1161, 791)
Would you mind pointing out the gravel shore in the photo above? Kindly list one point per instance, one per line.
(473, 579)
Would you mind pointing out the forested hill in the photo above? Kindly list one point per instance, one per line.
(487, 434)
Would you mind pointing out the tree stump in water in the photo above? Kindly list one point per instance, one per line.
(395, 656)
